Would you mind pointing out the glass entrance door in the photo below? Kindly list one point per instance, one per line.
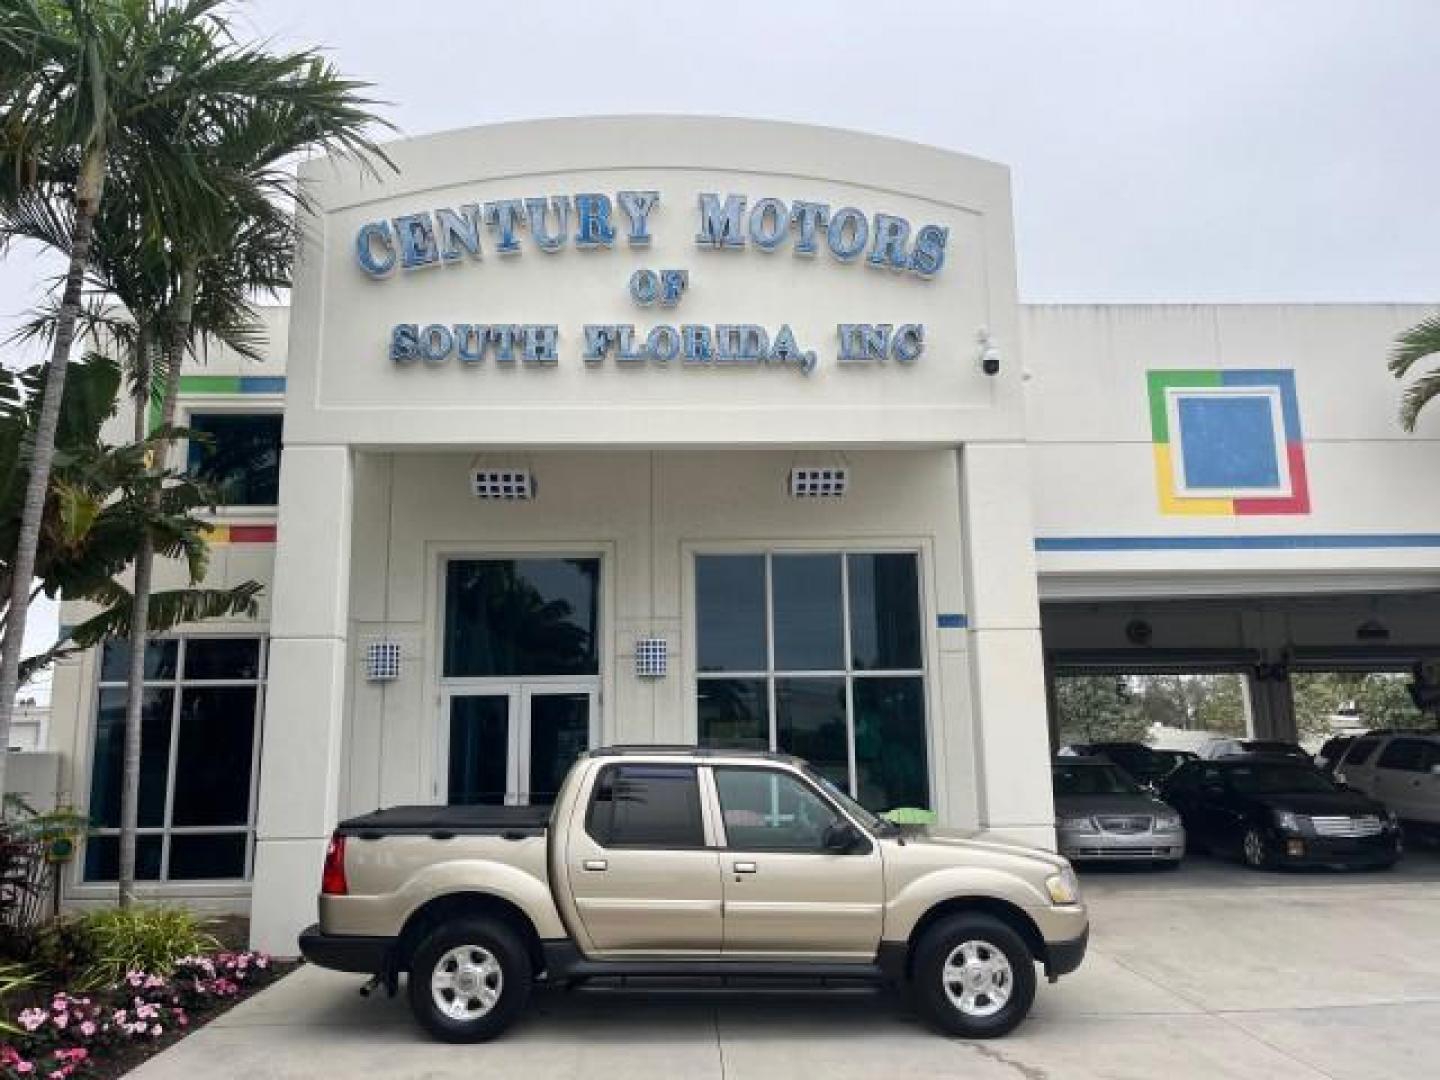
(514, 744)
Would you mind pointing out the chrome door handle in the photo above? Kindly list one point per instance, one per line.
(596, 864)
(744, 868)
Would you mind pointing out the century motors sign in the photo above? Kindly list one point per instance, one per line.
(503, 229)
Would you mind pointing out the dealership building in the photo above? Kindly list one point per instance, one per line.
(662, 430)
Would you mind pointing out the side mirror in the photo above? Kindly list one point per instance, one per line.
(841, 838)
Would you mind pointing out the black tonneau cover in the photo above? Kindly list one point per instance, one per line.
(449, 821)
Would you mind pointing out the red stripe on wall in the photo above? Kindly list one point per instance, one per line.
(252, 534)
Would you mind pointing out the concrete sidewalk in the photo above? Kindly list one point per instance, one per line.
(1210, 972)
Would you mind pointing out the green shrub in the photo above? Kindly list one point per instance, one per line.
(12, 977)
(148, 939)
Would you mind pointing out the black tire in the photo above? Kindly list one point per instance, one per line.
(490, 940)
(1255, 850)
(929, 979)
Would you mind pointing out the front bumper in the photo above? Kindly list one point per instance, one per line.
(1063, 957)
(346, 952)
(1380, 850)
(1093, 846)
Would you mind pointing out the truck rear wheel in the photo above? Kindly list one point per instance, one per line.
(469, 979)
(973, 976)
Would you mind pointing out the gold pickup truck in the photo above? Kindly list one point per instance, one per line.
(678, 861)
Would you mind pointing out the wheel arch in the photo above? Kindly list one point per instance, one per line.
(1012, 915)
(466, 905)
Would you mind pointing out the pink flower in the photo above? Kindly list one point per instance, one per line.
(61, 1020)
(87, 1028)
(155, 1030)
(31, 1019)
(24, 1067)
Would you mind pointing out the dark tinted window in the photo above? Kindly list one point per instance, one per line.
(107, 770)
(766, 810)
(1360, 751)
(891, 766)
(212, 763)
(810, 723)
(160, 657)
(222, 658)
(1405, 754)
(730, 612)
(241, 456)
(734, 713)
(513, 617)
(1086, 778)
(809, 619)
(884, 612)
(647, 806)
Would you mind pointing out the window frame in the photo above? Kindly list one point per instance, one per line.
(177, 684)
(848, 672)
(607, 842)
(248, 405)
(723, 832)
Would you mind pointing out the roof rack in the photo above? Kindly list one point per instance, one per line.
(683, 749)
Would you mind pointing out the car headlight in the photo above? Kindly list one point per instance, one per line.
(1077, 824)
(1167, 823)
(1288, 822)
(1064, 887)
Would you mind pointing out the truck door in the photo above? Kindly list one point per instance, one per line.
(643, 879)
(785, 894)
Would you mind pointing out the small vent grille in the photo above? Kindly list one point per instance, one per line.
(502, 484)
(382, 661)
(652, 657)
(819, 483)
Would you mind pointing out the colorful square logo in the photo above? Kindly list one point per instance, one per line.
(1228, 442)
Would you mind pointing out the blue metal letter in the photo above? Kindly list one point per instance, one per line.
(644, 286)
(663, 343)
(765, 236)
(404, 343)
(909, 342)
(890, 235)
(539, 346)
(458, 230)
(469, 342)
(546, 240)
(929, 254)
(417, 241)
(847, 250)
(809, 216)
(672, 284)
(369, 234)
(503, 216)
(698, 349)
(637, 206)
(599, 337)
(593, 220)
(720, 226)
(436, 341)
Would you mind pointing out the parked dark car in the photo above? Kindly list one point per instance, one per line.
(1144, 763)
(1223, 748)
(1329, 755)
(1273, 811)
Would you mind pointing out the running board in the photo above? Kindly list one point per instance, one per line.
(564, 961)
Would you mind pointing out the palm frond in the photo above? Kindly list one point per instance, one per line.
(1417, 395)
(1414, 345)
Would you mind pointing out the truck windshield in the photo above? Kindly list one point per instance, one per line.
(858, 812)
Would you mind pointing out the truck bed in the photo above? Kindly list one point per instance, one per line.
(449, 820)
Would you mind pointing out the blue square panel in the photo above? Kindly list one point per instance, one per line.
(1227, 442)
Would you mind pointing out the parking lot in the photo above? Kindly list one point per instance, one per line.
(1209, 971)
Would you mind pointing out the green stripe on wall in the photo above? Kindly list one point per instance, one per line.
(210, 384)
(1158, 382)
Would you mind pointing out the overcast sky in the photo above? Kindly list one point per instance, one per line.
(1193, 150)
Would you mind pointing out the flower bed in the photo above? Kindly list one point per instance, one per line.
(105, 1033)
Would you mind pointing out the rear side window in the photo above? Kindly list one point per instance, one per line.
(1360, 751)
(646, 806)
(1404, 754)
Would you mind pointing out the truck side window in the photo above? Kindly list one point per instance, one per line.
(646, 806)
(766, 810)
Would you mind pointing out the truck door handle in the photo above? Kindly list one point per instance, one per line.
(744, 868)
(596, 864)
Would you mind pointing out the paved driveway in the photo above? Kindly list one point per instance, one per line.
(1209, 972)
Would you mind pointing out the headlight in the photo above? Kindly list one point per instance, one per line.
(1288, 822)
(1167, 823)
(1077, 824)
(1064, 887)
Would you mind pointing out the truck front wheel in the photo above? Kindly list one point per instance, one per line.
(469, 979)
(973, 976)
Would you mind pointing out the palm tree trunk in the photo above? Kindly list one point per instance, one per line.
(144, 573)
(135, 677)
(87, 204)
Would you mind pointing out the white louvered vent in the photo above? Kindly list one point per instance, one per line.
(502, 484)
(816, 483)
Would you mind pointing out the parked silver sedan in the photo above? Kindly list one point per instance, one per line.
(1102, 814)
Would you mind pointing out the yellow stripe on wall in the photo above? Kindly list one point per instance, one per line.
(1170, 503)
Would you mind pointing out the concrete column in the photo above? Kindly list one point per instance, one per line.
(1012, 739)
(305, 695)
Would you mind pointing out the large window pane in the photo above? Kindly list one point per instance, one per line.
(241, 456)
(479, 743)
(810, 723)
(222, 658)
(730, 612)
(102, 858)
(559, 733)
(207, 858)
(212, 763)
(160, 657)
(521, 617)
(809, 619)
(890, 752)
(108, 767)
(734, 713)
(884, 612)
(654, 806)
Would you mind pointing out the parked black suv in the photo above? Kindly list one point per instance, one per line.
(1276, 811)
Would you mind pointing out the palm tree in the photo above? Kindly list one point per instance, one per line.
(1414, 345)
(92, 89)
